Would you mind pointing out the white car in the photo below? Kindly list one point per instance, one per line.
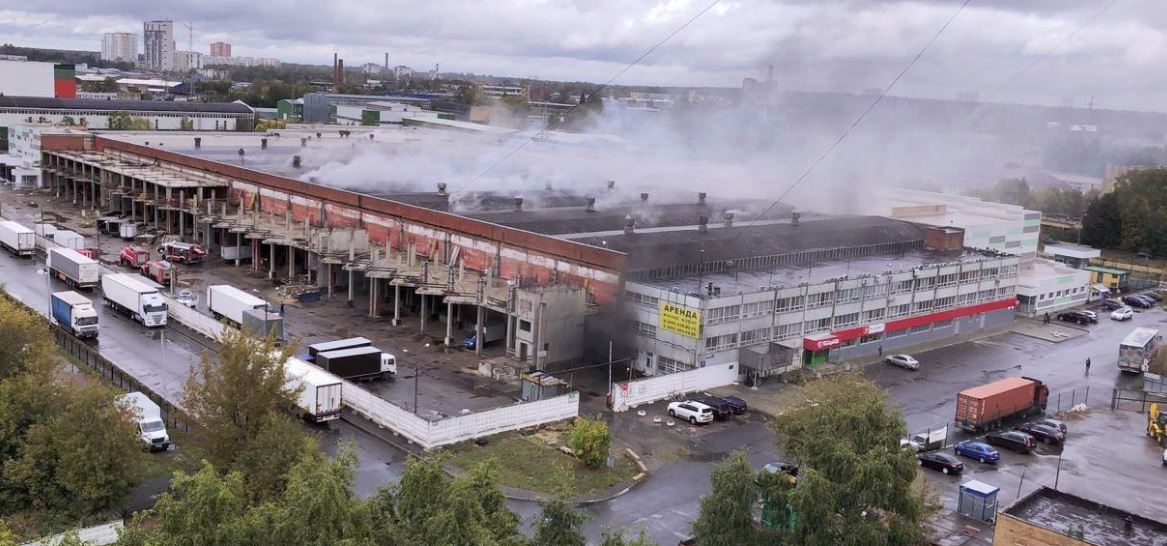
(693, 412)
(1089, 313)
(1165, 457)
(1123, 313)
(903, 361)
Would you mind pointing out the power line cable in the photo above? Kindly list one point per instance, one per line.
(855, 123)
(592, 94)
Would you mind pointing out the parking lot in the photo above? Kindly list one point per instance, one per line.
(1106, 456)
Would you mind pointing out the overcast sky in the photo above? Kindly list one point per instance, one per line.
(853, 45)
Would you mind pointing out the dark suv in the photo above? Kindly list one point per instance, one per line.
(1138, 301)
(721, 408)
(1012, 439)
(1045, 433)
(1113, 305)
(1077, 316)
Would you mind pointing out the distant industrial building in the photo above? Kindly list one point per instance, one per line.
(381, 113)
(119, 47)
(500, 91)
(1048, 517)
(220, 49)
(322, 107)
(36, 79)
(161, 115)
(158, 45)
(187, 60)
(215, 60)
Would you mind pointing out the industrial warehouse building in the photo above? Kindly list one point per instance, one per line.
(780, 296)
(162, 115)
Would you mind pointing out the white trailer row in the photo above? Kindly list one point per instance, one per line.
(17, 239)
(74, 268)
(320, 394)
(134, 298)
(228, 302)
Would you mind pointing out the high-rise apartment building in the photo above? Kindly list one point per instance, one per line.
(158, 45)
(220, 49)
(119, 46)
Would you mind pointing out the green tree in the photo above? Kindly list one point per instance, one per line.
(854, 481)
(186, 124)
(615, 537)
(726, 516)
(7, 538)
(1102, 225)
(25, 341)
(234, 393)
(68, 120)
(482, 483)
(318, 503)
(118, 121)
(591, 441)
(85, 458)
(200, 509)
(264, 461)
(1142, 204)
(559, 524)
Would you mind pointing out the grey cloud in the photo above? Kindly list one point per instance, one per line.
(838, 45)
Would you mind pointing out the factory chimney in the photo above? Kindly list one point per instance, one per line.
(386, 61)
(729, 218)
(629, 225)
(518, 203)
(591, 203)
(339, 74)
(335, 78)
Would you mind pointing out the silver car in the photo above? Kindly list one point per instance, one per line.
(903, 361)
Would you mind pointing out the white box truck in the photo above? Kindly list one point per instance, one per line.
(320, 398)
(148, 418)
(74, 268)
(135, 298)
(228, 302)
(74, 313)
(17, 239)
(69, 239)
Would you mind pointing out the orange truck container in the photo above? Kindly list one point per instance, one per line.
(984, 407)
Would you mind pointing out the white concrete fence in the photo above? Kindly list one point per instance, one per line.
(451, 430)
(630, 394)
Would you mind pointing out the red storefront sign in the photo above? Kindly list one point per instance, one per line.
(839, 336)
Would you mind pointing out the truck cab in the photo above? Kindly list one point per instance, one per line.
(154, 306)
(183, 253)
(388, 364)
(134, 257)
(148, 418)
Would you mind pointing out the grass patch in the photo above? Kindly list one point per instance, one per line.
(530, 464)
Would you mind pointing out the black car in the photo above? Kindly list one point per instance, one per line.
(1135, 301)
(1012, 439)
(1054, 423)
(721, 408)
(1045, 433)
(938, 460)
(1153, 295)
(739, 405)
(1113, 305)
(1077, 316)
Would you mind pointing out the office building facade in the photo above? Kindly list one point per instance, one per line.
(158, 45)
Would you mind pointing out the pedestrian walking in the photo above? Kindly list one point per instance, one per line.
(1087, 366)
(881, 351)
(1045, 319)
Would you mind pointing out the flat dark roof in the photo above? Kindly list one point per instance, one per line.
(127, 105)
(559, 219)
(1100, 524)
(650, 250)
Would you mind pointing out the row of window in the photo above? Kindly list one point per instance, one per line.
(146, 113)
(816, 301)
(1081, 290)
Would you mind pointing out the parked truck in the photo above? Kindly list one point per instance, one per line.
(987, 406)
(157, 270)
(490, 333)
(336, 345)
(134, 257)
(74, 313)
(1134, 353)
(358, 363)
(130, 296)
(74, 268)
(264, 323)
(148, 418)
(228, 302)
(17, 239)
(69, 239)
(182, 253)
(320, 399)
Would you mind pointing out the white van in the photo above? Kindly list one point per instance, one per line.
(148, 417)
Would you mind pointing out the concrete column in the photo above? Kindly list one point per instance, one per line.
(449, 323)
(328, 278)
(423, 312)
(156, 209)
(238, 247)
(510, 334)
(397, 305)
(271, 261)
(478, 329)
(181, 214)
(169, 212)
(291, 262)
(351, 289)
(374, 298)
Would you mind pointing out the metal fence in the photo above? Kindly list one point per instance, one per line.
(173, 416)
(1064, 400)
(1130, 400)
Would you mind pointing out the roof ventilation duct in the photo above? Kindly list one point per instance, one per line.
(629, 225)
(591, 203)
